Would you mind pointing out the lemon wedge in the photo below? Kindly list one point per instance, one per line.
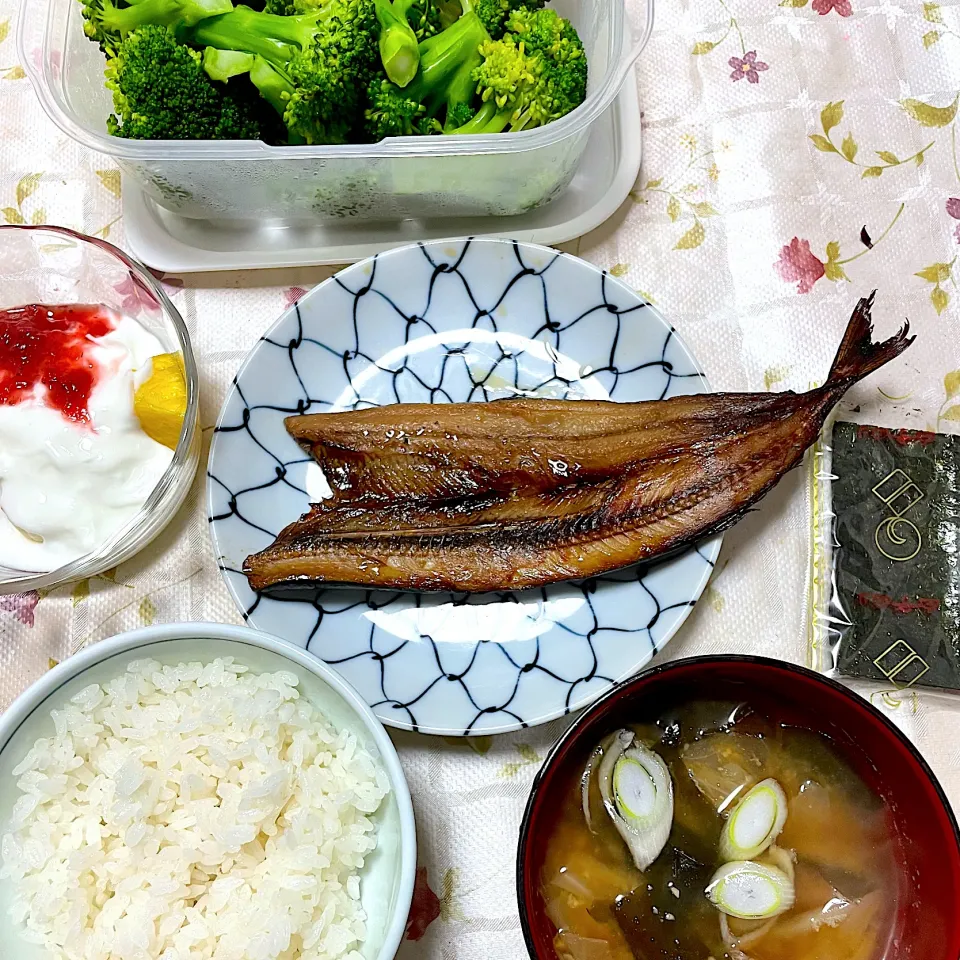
(160, 402)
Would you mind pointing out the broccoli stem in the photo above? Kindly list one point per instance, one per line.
(461, 92)
(399, 49)
(276, 89)
(488, 119)
(447, 62)
(223, 64)
(272, 85)
(274, 37)
(162, 13)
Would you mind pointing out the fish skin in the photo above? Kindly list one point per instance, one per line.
(664, 491)
(498, 542)
(506, 445)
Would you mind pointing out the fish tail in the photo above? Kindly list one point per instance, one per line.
(858, 354)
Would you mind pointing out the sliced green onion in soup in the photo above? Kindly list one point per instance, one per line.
(637, 794)
(586, 777)
(756, 821)
(585, 780)
(751, 891)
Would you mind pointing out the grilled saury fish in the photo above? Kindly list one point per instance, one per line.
(520, 493)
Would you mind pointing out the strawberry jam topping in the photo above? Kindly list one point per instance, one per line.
(51, 346)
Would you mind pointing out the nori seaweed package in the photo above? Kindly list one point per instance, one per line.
(893, 600)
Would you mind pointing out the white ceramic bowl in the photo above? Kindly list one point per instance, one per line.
(388, 875)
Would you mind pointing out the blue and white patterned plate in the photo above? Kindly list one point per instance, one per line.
(446, 322)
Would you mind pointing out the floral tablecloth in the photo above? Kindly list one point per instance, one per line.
(797, 155)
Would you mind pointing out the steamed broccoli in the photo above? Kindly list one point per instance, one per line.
(399, 52)
(334, 71)
(108, 23)
(403, 24)
(288, 8)
(493, 14)
(275, 88)
(471, 84)
(161, 92)
(316, 65)
(535, 74)
(443, 89)
(426, 17)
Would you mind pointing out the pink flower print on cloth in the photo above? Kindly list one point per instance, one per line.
(953, 210)
(797, 263)
(137, 296)
(293, 295)
(823, 7)
(747, 67)
(21, 605)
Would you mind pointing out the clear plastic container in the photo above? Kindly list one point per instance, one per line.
(398, 178)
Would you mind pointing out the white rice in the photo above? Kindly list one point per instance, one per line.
(196, 812)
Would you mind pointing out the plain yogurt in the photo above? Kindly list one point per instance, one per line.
(75, 464)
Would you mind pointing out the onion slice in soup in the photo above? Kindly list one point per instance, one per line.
(637, 794)
(587, 776)
(585, 779)
(751, 891)
(756, 821)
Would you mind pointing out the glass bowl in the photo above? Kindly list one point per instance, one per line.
(54, 265)
(924, 829)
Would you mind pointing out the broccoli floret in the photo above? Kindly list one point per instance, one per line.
(458, 114)
(426, 18)
(535, 74)
(109, 23)
(546, 32)
(493, 14)
(442, 89)
(272, 85)
(161, 92)
(391, 114)
(321, 62)
(563, 85)
(291, 8)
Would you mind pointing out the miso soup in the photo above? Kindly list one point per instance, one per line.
(715, 833)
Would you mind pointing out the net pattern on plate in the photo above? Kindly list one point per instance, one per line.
(449, 326)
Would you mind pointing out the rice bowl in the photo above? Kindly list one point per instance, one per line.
(195, 794)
